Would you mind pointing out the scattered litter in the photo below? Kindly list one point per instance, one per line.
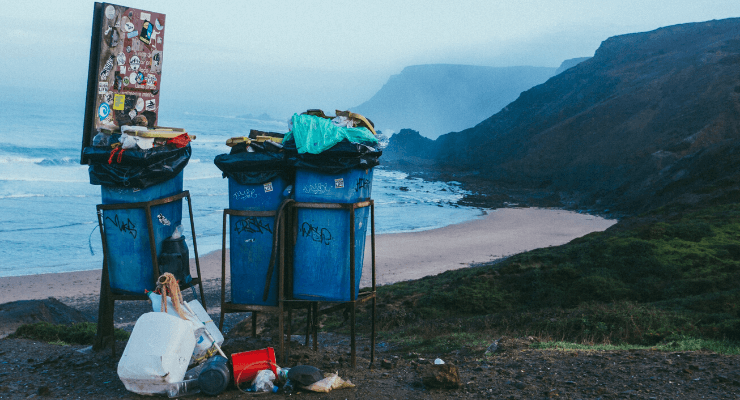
(157, 353)
(438, 361)
(330, 382)
(305, 375)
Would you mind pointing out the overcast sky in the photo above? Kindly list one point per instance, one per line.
(285, 56)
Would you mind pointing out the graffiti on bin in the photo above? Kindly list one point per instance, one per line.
(245, 194)
(252, 225)
(316, 188)
(322, 236)
(362, 183)
(127, 226)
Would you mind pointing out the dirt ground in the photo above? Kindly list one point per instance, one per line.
(29, 369)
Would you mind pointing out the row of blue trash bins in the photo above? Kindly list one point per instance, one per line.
(258, 181)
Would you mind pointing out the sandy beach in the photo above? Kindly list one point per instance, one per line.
(399, 257)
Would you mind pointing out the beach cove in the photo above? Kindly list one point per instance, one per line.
(399, 256)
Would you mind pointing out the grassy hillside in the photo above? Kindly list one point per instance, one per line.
(653, 279)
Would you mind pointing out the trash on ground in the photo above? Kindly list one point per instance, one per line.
(263, 382)
(329, 383)
(157, 354)
(208, 338)
(215, 376)
(305, 375)
(247, 364)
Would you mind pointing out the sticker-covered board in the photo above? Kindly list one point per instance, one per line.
(125, 69)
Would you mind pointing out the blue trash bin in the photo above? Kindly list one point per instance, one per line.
(322, 249)
(250, 240)
(130, 268)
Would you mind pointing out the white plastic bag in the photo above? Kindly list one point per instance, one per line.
(263, 382)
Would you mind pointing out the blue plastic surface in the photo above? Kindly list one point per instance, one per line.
(130, 268)
(250, 240)
(348, 187)
(322, 250)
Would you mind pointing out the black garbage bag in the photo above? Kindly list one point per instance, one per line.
(341, 157)
(252, 168)
(136, 168)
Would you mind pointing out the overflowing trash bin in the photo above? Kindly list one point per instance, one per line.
(259, 180)
(129, 171)
(333, 157)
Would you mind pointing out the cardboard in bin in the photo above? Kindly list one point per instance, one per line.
(247, 364)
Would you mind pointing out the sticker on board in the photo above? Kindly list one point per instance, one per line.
(157, 61)
(151, 105)
(139, 104)
(103, 111)
(110, 12)
(134, 62)
(146, 32)
(102, 87)
(121, 58)
(106, 69)
(118, 101)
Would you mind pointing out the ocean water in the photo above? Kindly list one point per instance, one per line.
(47, 205)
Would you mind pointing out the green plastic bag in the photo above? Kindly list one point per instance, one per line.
(315, 134)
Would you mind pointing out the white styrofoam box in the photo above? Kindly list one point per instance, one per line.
(202, 341)
(198, 321)
(157, 353)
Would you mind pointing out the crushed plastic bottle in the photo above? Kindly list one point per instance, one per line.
(183, 388)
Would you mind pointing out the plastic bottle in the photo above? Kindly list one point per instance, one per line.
(287, 387)
(282, 374)
(183, 388)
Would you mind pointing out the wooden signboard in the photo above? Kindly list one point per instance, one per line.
(125, 69)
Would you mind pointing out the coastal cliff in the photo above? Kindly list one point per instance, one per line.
(652, 119)
(439, 98)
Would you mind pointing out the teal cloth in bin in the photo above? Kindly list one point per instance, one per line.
(315, 134)
(322, 249)
(130, 268)
(250, 240)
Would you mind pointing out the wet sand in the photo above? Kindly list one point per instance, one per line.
(399, 257)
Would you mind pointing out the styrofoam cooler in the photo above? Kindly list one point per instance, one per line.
(157, 353)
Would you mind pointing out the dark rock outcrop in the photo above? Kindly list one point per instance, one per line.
(652, 118)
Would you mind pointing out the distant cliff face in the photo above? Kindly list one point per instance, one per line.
(653, 117)
(442, 98)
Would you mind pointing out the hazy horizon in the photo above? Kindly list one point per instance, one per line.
(284, 57)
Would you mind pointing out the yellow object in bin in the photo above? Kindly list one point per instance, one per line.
(158, 132)
(236, 140)
(260, 139)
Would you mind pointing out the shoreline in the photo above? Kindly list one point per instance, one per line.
(399, 256)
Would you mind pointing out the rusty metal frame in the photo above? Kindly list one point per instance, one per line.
(282, 307)
(105, 332)
(315, 311)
